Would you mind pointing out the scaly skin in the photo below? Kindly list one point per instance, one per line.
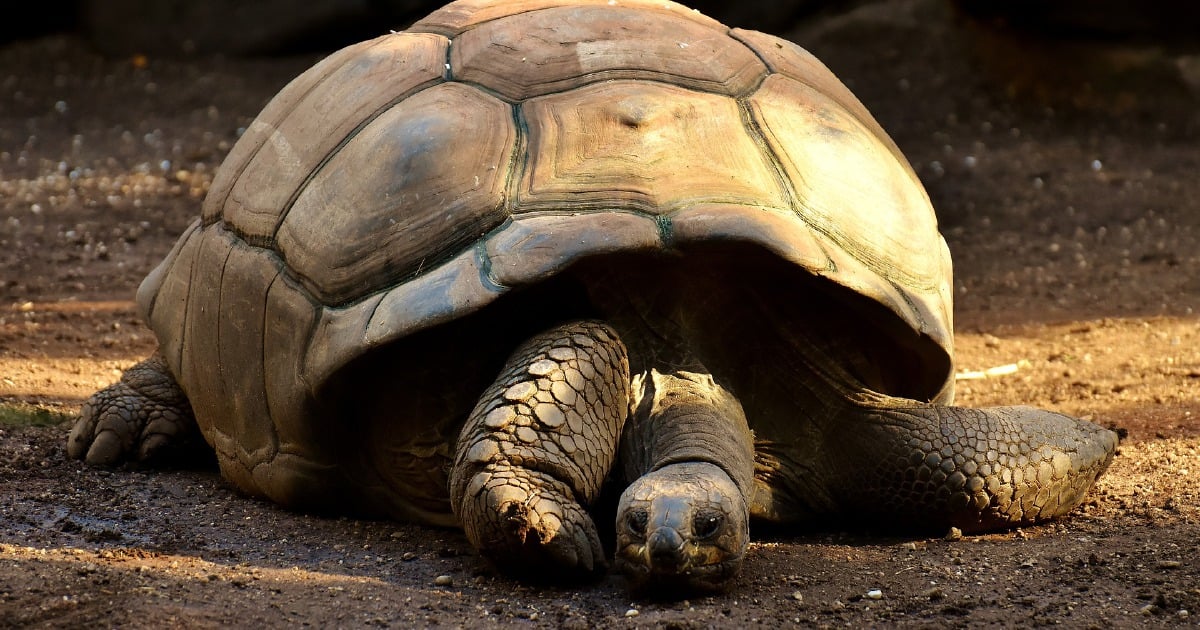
(535, 451)
(144, 417)
(936, 466)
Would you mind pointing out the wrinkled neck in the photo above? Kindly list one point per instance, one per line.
(686, 417)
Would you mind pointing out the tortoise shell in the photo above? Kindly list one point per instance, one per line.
(420, 178)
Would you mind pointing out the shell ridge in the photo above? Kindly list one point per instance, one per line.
(487, 276)
(428, 25)
(639, 75)
(424, 26)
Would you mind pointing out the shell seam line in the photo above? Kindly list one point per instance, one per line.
(773, 69)
(767, 69)
(274, 437)
(453, 33)
(286, 113)
(601, 76)
(666, 229)
(518, 160)
(370, 118)
(220, 369)
(754, 129)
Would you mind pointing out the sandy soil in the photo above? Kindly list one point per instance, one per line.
(1065, 178)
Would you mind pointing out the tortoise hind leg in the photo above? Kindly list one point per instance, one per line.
(537, 448)
(144, 417)
(975, 469)
(931, 466)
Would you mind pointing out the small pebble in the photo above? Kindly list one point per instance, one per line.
(798, 596)
(954, 534)
(874, 594)
(443, 580)
(632, 612)
(1168, 564)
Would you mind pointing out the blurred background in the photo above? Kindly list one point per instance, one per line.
(270, 27)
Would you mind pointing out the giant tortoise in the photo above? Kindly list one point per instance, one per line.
(466, 273)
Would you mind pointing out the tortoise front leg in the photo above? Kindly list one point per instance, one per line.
(144, 417)
(536, 449)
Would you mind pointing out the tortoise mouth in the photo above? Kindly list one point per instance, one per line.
(668, 582)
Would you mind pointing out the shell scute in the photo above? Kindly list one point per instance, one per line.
(457, 17)
(200, 369)
(283, 150)
(793, 61)
(414, 186)
(651, 147)
(534, 248)
(556, 49)
(259, 132)
(164, 295)
(246, 278)
(848, 185)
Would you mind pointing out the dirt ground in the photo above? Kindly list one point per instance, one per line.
(1066, 182)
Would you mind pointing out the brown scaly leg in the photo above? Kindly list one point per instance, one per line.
(536, 449)
(144, 417)
(975, 469)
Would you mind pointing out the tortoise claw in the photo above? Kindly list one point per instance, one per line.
(144, 417)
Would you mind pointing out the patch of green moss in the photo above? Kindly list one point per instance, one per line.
(17, 414)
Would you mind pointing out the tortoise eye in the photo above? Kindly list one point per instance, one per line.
(707, 524)
(636, 521)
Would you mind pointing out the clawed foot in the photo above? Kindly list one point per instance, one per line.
(526, 522)
(536, 449)
(144, 417)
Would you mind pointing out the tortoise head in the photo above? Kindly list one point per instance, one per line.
(682, 527)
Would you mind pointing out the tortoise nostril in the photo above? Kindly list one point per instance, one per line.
(666, 548)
